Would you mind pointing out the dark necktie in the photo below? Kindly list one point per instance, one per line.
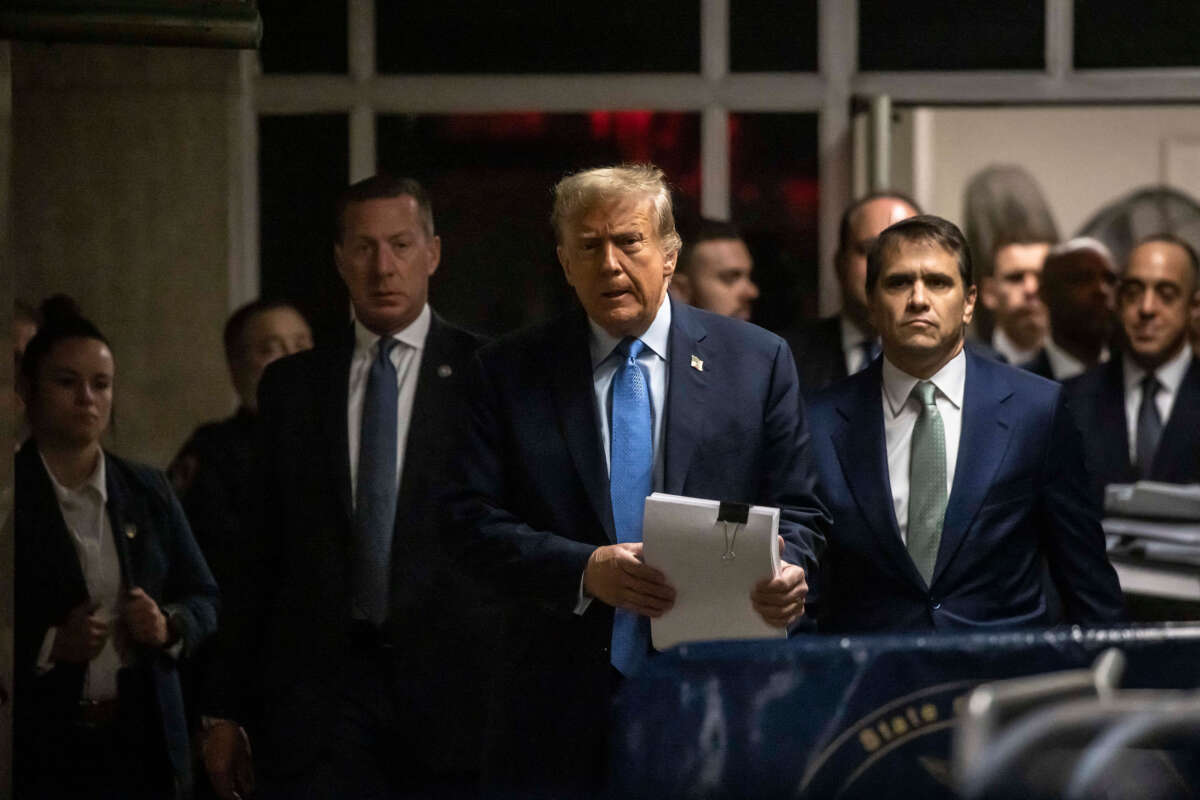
(375, 499)
(926, 483)
(1149, 426)
(631, 475)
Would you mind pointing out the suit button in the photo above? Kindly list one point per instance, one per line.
(936, 604)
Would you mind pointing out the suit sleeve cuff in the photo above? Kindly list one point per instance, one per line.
(44, 663)
(583, 599)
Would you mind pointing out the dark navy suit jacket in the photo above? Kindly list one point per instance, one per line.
(1019, 495)
(288, 623)
(817, 348)
(535, 504)
(161, 557)
(1097, 399)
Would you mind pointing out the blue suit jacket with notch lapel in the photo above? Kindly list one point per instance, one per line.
(1019, 495)
(535, 504)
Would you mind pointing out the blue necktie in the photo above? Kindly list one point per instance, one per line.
(375, 499)
(631, 471)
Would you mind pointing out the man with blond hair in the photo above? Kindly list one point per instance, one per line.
(573, 423)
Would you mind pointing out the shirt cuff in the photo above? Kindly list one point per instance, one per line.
(44, 664)
(584, 600)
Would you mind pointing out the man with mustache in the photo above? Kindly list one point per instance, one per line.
(1140, 413)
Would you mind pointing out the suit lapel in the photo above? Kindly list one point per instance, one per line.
(128, 524)
(428, 399)
(1177, 459)
(574, 391)
(1112, 426)
(983, 441)
(687, 394)
(861, 449)
(47, 531)
(334, 417)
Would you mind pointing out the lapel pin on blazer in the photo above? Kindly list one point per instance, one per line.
(445, 371)
(697, 364)
(130, 531)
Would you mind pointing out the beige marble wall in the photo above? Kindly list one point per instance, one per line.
(120, 195)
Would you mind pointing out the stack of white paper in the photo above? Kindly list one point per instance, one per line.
(684, 540)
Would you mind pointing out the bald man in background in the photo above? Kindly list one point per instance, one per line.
(1140, 412)
(1078, 281)
(840, 345)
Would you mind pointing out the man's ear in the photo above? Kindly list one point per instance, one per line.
(435, 248)
(969, 305)
(337, 258)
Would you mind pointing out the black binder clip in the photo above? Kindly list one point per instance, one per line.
(735, 514)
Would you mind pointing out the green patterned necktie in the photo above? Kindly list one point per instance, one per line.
(926, 483)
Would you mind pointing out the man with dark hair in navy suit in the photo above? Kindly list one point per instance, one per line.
(573, 424)
(1141, 412)
(951, 478)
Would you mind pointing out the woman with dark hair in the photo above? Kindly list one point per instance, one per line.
(110, 588)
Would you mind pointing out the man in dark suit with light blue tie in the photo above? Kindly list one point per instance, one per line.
(951, 478)
(655, 394)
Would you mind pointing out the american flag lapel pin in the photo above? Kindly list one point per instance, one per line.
(697, 364)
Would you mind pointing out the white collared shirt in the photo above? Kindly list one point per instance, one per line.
(900, 412)
(84, 511)
(1170, 376)
(1003, 344)
(654, 357)
(1063, 365)
(406, 357)
(852, 339)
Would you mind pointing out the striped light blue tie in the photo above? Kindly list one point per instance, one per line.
(375, 498)
(631, 468)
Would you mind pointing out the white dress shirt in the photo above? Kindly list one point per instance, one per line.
(83, 509)
(1169, 376)
(605, 361)
(900, 412)
(1003, 344)
(1064, 365)
(852, 340)
(406, 357)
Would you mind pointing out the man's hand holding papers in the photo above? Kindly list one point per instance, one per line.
(616, 575)
(780, 600)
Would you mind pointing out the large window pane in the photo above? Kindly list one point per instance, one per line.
(303, 35)
(951, 34)
(1149, 33)
(769, 36)
(491, 175)
(522, 36)
(302, 168)
(773, 164)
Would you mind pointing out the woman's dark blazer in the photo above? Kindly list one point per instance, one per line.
(156, 552)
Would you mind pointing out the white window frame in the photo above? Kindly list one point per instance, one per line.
(713, 92)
